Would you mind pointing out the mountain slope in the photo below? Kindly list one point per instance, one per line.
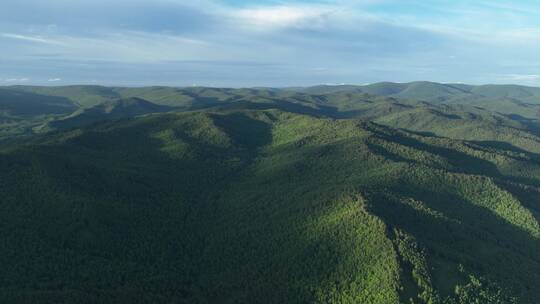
(20, 112)
(109, 110)
(446, 120)
(507, 99)
(423, 91)
(432, 91)
(13, 103)
(451, 110)
(82, 95)
(266, 206)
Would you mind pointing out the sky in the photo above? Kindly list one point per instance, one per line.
(243, 43)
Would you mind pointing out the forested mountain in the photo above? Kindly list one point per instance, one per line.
(432, 91)
(485, 113)
(343, 194)
(108, 110)
(521, 101)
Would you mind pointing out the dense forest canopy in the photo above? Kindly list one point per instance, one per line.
(385, 193)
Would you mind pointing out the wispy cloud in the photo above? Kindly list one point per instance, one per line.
(54, 79)
(23, 79)
(520, 77)
(36, 39)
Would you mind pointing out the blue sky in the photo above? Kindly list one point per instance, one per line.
(236, 43)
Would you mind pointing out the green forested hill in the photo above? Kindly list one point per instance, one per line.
(487, 113)
(490, 113)
(15, 103)
(82, 95)
(21, 111)
(266, 206)
(385, 193)
(109, 110)
(520, 101)
(435, 92)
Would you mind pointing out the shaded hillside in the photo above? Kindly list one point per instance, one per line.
(109, 110)
(266, 206)
(464, 122)
(82, 95)
(166, 96)
(15, 103)
(20, 112)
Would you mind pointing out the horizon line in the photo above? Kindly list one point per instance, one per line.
(89, 84)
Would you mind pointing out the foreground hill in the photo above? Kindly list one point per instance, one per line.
(243, 206)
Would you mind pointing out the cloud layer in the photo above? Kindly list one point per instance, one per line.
(268, 43)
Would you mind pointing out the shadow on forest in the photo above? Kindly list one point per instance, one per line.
(29, 104)
(244, 130)
(505, 146)
(528, 197)
(472, 235)
(461, 162)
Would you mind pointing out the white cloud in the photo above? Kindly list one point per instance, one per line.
(54, 79)
(37, 39)
(272, 17)
(24, 79)
(522, 77)
(118, 46)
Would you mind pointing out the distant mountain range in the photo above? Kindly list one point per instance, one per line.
(491, 112)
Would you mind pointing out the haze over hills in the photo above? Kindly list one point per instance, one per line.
(385, 193)
(507, 113)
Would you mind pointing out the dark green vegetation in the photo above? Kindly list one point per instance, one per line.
(108, 110)
(326, 195)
